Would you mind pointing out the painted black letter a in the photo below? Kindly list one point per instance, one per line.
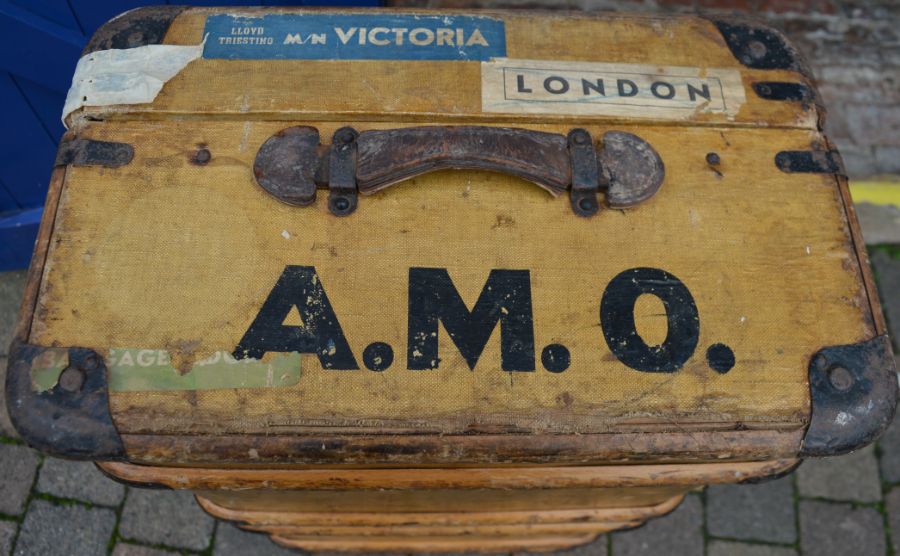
(320, 334)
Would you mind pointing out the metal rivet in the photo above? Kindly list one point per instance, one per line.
(757, 50)
(586, 204)
(764, 90)
(341, 204)
(90, 363)
(580, 138)
(840, 378)
(346, 136)
(136, 39)
(202, 156)
(71, 379)
(713, 159)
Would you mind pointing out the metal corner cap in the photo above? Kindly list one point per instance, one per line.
(72, 418)
(853, 394)
(137, 27)
(757, 45)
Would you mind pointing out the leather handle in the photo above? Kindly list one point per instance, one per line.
(291, 164)
(386, 157)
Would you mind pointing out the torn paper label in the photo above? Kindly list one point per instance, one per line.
(129, 76)
(150, 370)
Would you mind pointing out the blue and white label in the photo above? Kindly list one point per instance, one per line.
(354, 37)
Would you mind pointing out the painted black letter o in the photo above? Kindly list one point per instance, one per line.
(617, 320)
(561, 87)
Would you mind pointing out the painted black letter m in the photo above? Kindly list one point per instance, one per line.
(505, 298)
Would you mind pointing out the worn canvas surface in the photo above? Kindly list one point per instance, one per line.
(165, 264)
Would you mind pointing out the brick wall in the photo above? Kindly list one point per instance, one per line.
(853, 47)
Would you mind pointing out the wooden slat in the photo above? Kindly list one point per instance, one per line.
(862, 264)
(438, 518)
(448, 500)
(448, 478)
(39, 258)
(382, 531)
(434, 544)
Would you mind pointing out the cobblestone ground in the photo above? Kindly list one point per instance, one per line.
(839, 506)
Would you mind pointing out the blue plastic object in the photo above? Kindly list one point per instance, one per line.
(18, 230)
(40, 42)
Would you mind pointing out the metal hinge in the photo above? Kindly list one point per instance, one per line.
(342, 190)
(88, 152)
(585, 173)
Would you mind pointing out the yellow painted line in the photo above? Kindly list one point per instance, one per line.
(876, 192)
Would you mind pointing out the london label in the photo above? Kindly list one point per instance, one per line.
(632, 90)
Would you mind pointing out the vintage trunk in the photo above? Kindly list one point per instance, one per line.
(425, 281)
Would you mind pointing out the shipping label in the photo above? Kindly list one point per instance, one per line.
(354, 37)
(587, 88)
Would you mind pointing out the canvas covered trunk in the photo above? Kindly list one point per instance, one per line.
(416, 280)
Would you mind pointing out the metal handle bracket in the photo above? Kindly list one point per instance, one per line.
(291, 164)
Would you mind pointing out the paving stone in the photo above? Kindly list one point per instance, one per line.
(727, 548)
(889, 443)
(166, 517)
(853, 477)
(18, 465)
(70, 530)
(596, 548)
(231, 541)
(887, 271)
(892, 505)
(879, 223)
(128, 549)
(828, 528)
(762, 512)
(7, 534)
(80, 480)
(6, 428)
(757, 512)
(12, 284)
(680, 532)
